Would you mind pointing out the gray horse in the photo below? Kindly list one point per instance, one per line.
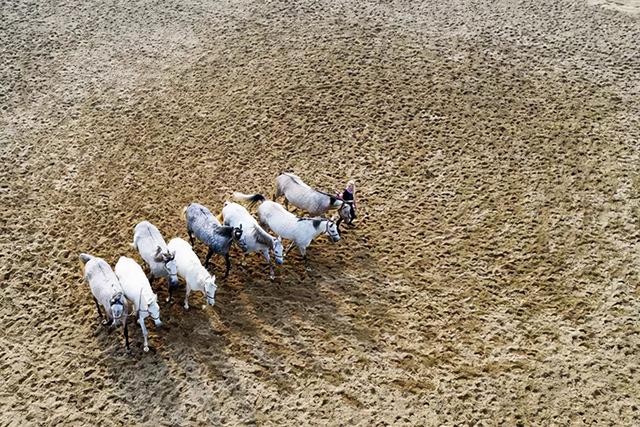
(309, 199)
(205, 226)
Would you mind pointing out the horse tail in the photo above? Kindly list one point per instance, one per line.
(295, 178)
(251, 198)
(85, 258)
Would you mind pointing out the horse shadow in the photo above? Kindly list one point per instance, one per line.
(188, 353)
(144, 380)
(281, 312)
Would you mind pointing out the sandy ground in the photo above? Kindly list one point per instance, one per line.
(493, 274)
(627, 6)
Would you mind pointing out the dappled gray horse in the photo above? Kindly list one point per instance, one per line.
(205, 226)
(309, 199)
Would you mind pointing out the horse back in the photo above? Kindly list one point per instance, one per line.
(102, 280)
(279, 220)
(201, 222)
(147, 238)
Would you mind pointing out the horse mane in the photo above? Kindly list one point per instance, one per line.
(293, 177)
(204, 212)
(316, 221)
(155, 242)
(101, 268)
(296, 179)
(262, 236)
(224, 230)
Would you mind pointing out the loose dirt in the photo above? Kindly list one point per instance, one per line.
(492, 277)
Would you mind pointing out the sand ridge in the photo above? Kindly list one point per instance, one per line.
(492, 277)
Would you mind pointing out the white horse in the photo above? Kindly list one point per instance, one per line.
(301, 231)
(197, 277)
(107, 291)
(254, 237)
(148, 241)
(309, 199)
(137, 289)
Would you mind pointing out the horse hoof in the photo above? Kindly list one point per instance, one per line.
(146, 349)
(204, 306)
(186, 307)
(272, 277)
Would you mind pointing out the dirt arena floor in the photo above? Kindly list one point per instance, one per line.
(493, 274)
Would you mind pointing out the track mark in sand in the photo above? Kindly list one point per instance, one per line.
(492, 267)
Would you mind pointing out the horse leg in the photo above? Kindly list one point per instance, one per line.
(145, 333)
(98, 308)
(171, 288)
(126, 337)
(227, 260)
(272, 274)
(303, 252)
(186, 296)
(209, 254)
(289, 248)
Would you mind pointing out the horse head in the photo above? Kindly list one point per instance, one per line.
(347, 212)
(210, 290)
(168, 259)
(278, 250)
(154, 309)
(237, 232)
(117, 306)
(332, 231)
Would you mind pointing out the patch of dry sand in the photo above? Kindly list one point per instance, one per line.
(493, 274)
